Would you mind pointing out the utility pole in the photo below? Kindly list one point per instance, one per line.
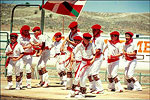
(42, 18)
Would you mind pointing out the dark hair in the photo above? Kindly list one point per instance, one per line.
(87, 37)
(13, 36)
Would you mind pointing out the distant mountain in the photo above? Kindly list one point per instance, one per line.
(138, 23)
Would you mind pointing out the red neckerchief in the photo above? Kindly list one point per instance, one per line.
(129, 42)
(24, 35)
(94, 38)
(38, 35)
(114, 42)
(13, 46)
(86, 46)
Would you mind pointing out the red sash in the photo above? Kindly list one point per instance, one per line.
(113, 59)
(129, 58)
(85, 66)
(12, 47)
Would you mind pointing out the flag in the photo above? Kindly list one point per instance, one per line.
(65, 7)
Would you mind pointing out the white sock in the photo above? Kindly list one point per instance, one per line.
(98, 84)
(45, 77)
(119, 86)
(137, 84)
(91, 85)
(29, 81)
(69, 83)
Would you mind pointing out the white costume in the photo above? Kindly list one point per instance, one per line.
(70, 48)
(17, 50)
(44, 56)
(130, 65)
(85, 69)
(27, 59)
(16, 53)
(60, 66)
(113, 64)
(96, 83)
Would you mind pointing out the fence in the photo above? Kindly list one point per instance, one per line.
(104, 73)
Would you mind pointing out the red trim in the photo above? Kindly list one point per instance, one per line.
(69, 49)
(13, 46)
(114, 42)
(78, 67)
(94, 38)
(129, 42)
(30, 53)
(86, 46)
(129, 58)
(113, 59)
(85, 66)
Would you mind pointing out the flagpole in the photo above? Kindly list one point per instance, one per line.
(63, 26)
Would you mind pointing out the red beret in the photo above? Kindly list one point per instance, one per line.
(88, 35)
(36, 28)
(73, 24)
(25, 27)
(129, 33)
(58, 34)
(114, 33)
(77, 38)
(14, 34)
(96, 26)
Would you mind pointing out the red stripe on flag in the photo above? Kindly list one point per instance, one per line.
(62, 9)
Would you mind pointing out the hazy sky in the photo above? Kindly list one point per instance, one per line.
(104, 6)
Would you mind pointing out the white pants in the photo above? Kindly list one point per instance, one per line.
(43, 59)
(15, 64)
(60, 66)
(129, 68)
(112, 69)
(96, 66)
(84, 73)
(27, 61)
(77, 72)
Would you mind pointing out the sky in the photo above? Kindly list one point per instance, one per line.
(104, 6)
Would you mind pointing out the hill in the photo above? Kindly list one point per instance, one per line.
(138, 23)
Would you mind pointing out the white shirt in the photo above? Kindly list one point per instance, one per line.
(114, 49)
(16, 52)
(99, 43)
(57, 46)
(71, 38)
(24, 42)
(42, 38)
(87, 54)
(130, 48)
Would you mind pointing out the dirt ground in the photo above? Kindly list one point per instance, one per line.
(55, 91)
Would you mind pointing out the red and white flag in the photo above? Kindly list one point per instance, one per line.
(65, 7)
